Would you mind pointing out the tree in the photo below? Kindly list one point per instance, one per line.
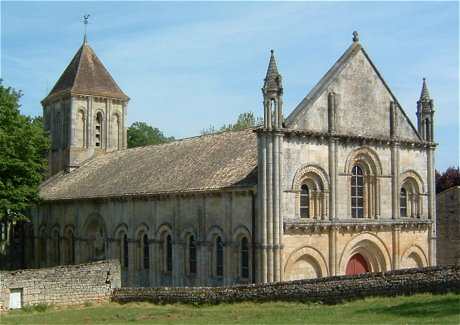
(244, 121)
(448, 179)
(142, 134)
(23, 147)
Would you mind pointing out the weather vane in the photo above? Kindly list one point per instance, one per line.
(85, 22)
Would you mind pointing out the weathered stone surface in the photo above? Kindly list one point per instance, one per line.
(62, 285)
(448, 226)
(327, 290)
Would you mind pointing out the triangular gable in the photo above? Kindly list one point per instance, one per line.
(363, 100)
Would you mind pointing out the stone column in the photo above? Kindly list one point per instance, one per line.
(395, 190)
(333, 250)
(396, 233)
(270, 276)
(276, 206)
(378, 198)
(325, 207)
(333, 177)
(262, 223)
(431, 202)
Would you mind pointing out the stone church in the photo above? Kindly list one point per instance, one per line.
(343, 185)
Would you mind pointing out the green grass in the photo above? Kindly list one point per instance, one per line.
(418, 309)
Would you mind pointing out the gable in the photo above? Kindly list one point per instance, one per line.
(363, 101)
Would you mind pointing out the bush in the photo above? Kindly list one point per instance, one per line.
(36, 308)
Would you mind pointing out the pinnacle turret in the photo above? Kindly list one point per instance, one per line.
(272, 80)
(425, 95)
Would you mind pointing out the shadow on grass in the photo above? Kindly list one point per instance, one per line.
(439, 308)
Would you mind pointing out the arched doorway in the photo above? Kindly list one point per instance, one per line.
(357, 265)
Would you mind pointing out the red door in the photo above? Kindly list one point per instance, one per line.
(357, 265)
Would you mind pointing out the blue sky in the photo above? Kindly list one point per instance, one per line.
(189, 65)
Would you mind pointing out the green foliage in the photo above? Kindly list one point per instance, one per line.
(42, 307)
(23, 147)
(244, 121)
(448, 179)
(141, 134)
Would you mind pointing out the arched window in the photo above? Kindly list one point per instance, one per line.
(42, 248)
(403, 202)
(69, 247)
(244, 258)
(304, 201)
(219, 256)
(357, 192)
(146, 248)
(55, 247)
(192, 255)
(81, 129)
(168, 256)
(98, 131)
(125, 254)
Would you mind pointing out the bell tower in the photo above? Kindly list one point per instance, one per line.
(84, 113)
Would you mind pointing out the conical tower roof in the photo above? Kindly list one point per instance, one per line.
(424, 95)
(86, 75)
(273, 78)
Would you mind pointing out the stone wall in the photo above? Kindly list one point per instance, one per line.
(448, 226)
(62, 285)
(327, 290)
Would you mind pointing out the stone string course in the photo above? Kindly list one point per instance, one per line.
(62, 285)
(326, 290)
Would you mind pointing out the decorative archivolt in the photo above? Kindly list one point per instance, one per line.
(143, 228)
(187, 232)
(314, 175)
(413, 179)
(366, 158)
(240, 232)
(415, 250)
(164, 229)
(120, 228)
(215, 231)
(371, 247)
(310, 252)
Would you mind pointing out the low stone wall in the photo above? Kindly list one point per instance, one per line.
(327, 290)
(61, 285)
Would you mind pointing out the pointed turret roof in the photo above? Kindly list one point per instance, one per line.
(273, 78)
(86, 75)
(425, 95)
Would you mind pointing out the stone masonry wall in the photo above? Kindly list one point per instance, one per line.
(448, 226)
(327, 290)
(62, 285)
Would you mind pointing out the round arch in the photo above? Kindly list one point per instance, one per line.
(414, 178)
(305, 260)
(365, 157)
(313, 172)
(371, 247)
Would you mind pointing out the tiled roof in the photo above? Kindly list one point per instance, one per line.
(205, 163)
(86, 75)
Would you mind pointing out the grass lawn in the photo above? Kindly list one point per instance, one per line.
(419, 309)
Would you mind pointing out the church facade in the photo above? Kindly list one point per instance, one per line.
(343, 185)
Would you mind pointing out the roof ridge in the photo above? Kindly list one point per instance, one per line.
(325, 79)
(112, 153)
(78, 66)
